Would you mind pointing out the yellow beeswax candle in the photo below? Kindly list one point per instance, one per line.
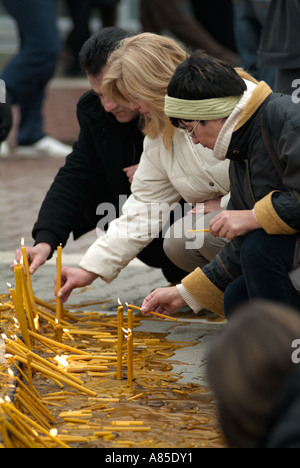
(59, 310)
(19, 306)
(27, 302)
(13, 296)
(130, 359)
(130, 319)
(120, 342)
(29, 282)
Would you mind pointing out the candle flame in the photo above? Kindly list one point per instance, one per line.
(22, 241)
(62, 361)
(10, 372)
(127, 333)
(54, 432)
(16, 323)
(119, 302)
(7, 399)
(36, 322)
(22, 261)
(9, 285)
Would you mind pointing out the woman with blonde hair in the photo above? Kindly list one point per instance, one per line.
(171, 168)
(139, 72)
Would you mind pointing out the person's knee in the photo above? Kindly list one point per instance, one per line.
(255, 247)
(172, 247)
(261, 250)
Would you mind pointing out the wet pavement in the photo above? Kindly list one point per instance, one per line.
(23, 185)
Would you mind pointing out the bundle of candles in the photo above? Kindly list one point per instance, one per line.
(100, 352)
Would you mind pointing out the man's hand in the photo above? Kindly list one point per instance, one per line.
(164, 301)
(37, 256)
(208, 206)
(72, 278)
(231, 224)
(130, 171)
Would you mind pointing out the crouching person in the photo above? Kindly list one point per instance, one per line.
(258, 131)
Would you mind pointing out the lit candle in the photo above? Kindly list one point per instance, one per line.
(120, 341)
(27, 302)
(59, 309)
(130, 319)
(28, 279)
(19, 306)
(13, 295)
(130, 359)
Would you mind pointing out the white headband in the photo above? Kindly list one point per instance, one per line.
(205, 109)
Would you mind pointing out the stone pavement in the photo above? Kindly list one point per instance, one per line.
(23, 185)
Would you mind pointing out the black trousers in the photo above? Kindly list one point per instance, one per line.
(154, 256)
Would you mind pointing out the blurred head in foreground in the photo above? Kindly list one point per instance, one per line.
(255, 377)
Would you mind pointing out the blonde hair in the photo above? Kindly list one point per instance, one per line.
(140, 70)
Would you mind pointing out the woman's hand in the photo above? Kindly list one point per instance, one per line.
(37, 256)
(72, 278)
(231, 224)
(209, 206)
(164, 301)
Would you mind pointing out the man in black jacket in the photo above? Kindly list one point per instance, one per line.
(99, 169)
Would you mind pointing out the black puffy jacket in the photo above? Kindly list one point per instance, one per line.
(264, 175)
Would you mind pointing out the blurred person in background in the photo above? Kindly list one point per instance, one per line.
(28, 73)
(158, 16)
(250, 17)
(81, 12)
(217, 17)
(5, 113)
(280, 46)
(254, 373)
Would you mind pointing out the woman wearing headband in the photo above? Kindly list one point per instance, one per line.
(258, 131)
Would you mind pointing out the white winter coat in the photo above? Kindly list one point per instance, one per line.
(188, 171)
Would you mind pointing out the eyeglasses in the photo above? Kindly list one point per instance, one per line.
(191, 133)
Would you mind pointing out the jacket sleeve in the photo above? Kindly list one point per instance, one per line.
(207, 285)
(62, 208)
(141, 221)
(279, 212)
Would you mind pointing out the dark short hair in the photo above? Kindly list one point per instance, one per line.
(94, 54)
(248, 367)
(201, 76)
